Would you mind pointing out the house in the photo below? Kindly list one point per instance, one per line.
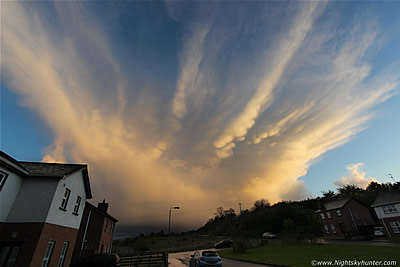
(344, 218)
(41, 207)
(387, 208)
(96, 231)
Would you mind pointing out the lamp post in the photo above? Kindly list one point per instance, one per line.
(169, 221)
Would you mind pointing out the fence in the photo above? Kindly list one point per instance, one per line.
(144, 259)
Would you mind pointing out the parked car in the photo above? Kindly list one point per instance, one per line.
(378, 232)
(269, 235)
(98, 260)
(224, 244)
(206, 258)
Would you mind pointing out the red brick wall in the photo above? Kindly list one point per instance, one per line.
(106, 237)
(59, 234)
(34, 238)
(389, 227)
(95, 235)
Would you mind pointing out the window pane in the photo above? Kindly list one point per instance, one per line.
(63, 253)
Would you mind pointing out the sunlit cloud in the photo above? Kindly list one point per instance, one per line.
(356, 177)
(238, 114)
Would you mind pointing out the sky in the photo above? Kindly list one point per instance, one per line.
(203, 104)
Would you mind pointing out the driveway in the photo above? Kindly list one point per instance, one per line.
(182, 259)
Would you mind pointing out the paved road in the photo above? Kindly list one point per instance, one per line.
(182, 259)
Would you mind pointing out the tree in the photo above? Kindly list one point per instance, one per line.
(328, 195)
(259, 204)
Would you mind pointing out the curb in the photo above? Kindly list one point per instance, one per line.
(257, 262)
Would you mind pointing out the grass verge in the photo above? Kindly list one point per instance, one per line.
(302, 255)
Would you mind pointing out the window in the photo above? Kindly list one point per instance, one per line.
(390, 209)
(47, 255)
(333, 229)
(105, 226)
(63, 253)
(64, 202)
(77, 204)
(8, 255)
(111, 227)
(322, 216)
(328, 214)
(3, 178)
(326, 228)
(339, 213)
(395, 227)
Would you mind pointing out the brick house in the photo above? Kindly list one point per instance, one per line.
(96, 231)
(41, 206)
(387, 208)
(344, 218)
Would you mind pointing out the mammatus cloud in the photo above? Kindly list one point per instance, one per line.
(356, 177)
(249, 109)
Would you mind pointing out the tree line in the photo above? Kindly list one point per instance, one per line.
(295, 219)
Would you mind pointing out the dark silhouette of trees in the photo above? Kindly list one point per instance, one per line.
(295, 218)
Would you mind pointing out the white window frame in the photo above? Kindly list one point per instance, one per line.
(328, 214)
(323, 216)
(326, 228)
(64, 202)
(388, 209)
(3, 178)
(339, 213)
(63, 254)
(395, 227)
(48, 253)
(333, 229)
(77, 205)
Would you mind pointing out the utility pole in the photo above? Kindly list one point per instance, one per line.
(240, 208)
(391, 176)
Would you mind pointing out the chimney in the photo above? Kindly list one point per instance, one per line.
(103, 206)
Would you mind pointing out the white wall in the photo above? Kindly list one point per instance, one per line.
(8, 193)
(33, 200)
(381, 214)
(57, 216)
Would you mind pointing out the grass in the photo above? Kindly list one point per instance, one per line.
(302, 255)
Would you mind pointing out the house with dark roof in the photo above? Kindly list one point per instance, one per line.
(96, 231)
(41, 207)
(344, 218)
(387, 208)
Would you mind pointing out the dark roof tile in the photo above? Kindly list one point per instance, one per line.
(386, 198)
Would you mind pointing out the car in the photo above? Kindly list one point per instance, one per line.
(378, 232)
(205, 258)
(224, 244)
(269, 235)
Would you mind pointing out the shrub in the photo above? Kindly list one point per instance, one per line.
(240, 246)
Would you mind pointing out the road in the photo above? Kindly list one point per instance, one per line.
(182, 259)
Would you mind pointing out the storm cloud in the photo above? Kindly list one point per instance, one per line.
(197, 105)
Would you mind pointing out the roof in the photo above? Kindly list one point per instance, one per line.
(333, 205)
(105, 214)
(51, 170)
(58, 170)
(386, 198)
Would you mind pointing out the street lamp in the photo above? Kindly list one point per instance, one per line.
(169, 218)
(169, 221)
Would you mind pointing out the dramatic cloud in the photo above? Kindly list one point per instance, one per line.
(197, 105)
(355, 177)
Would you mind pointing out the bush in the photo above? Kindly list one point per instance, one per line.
(240, 246)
